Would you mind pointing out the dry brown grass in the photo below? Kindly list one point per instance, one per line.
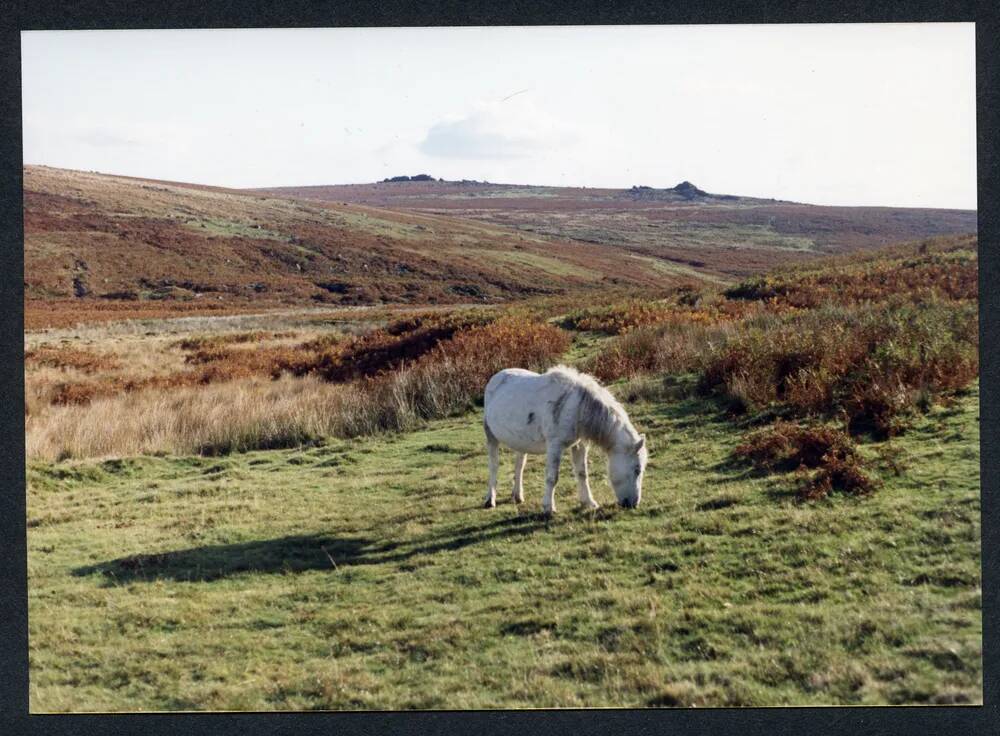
(202, 342)
(175, 414)
(670, 348)
(67, 313)
(254, 412)
(79, 359)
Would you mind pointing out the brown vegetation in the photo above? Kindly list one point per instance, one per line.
(868, 366)
(58, 313)
(862, 339)
(67, 357)
(399, 343)
(687, 308)
(236, 408)
(942, 269)
(207, 342)
(824, 458)
(669, 348)
(865, 339)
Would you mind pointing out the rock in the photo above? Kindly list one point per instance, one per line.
(688, 190)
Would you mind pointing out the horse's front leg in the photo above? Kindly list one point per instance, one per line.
(553, 457)
(579, 455)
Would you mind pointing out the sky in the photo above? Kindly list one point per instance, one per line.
(854, 114)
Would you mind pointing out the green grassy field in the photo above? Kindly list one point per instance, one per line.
(364, 574)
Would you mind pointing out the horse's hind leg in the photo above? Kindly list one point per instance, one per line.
(518, 494)
(579, 455)
(493, 449)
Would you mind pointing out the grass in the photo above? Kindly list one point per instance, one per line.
(672, 267)
(363, 574)
(543, 263)
(735, 235)
(207, 538)
(230, 229)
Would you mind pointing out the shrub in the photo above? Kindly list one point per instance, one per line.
(455, 320)
(825, 458)
(686, 308)
(675, 348)
(915, 277)
(869, 366)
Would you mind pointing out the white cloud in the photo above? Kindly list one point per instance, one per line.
(511, 128)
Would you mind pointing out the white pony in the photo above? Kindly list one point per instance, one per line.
(538, 414)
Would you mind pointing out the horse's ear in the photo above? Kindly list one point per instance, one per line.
(640, 443)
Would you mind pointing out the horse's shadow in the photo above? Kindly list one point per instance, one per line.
(294, 554)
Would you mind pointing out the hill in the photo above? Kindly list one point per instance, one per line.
(99, 246)
(722, 234)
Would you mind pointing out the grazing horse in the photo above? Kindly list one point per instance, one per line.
(546, 413)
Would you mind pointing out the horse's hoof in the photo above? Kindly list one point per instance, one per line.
(548, 513)
(490, 503)
(518, 499)
(591, 505)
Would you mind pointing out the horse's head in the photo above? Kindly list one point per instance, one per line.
(626, 464)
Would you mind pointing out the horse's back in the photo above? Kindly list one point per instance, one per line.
(510, 377)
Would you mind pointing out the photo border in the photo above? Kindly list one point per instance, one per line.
(98, 14)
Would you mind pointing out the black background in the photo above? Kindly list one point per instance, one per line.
(83, 14)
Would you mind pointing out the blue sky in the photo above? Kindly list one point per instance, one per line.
(845, 114)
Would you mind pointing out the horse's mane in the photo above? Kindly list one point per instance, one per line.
(600, 416)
